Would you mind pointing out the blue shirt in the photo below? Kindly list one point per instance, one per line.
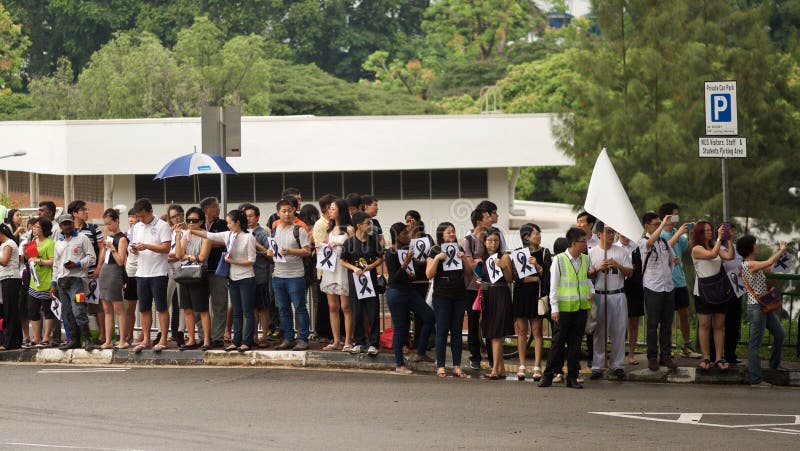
(678, 277)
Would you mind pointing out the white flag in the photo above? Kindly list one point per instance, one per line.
(607, 200)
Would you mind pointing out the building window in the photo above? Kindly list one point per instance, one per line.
(147, 188)
(474, 183)
(416, 185)
(304, 181)
(444, 184)
(268, 187)
(51, 186)
(240, 188)
(19, 182)
(386, 185)
(180, 190)
(357, 182)
(327, 182)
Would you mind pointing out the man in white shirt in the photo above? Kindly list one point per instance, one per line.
(658, 260)
(611, 265)
(151, 242)
(586, 222)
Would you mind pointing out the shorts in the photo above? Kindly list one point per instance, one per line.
(194, 296)
(704, 308)
(681, 298)
(36, 306)
(262, 297)
(152, 289)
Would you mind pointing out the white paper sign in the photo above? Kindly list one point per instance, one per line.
(91, 291)
(493, 268)
(783, 265)
(110, 245)
(34, 276)
(327, 258)
(521, 258)
(364, 287)
(276, 248)
(452, 262)
(737, 283)
(55, 307)
(401, 255)
(420, 247)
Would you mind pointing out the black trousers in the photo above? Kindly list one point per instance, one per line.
(733, 326)
(571, 327)
(322, 318)
(474, 331)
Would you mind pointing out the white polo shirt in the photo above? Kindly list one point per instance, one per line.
(152, 264)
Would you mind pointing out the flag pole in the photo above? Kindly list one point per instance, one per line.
(605, 307)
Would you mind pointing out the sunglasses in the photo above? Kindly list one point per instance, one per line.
(194, 220)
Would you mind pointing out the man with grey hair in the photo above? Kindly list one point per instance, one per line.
(217, 285)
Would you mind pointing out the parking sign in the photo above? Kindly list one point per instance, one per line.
(720, 100)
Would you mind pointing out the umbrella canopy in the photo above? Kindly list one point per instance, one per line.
(193, 164)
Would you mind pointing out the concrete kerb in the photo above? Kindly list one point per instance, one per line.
(322, 359)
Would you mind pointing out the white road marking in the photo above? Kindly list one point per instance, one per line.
(695, 418)
(41, 445)
(777, 431)
(83, 370)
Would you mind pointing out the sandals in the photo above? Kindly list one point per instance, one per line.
(123, 345)
(403, 370)
(158, 348)
(332, 347)
(346, 348)
(139, 348)
(231, 347)
(558, 378)
(537, 373)
(491, 377)
(205, 347)
(441, 372)
(521, 373)
(457, 372)
(705, 365)
(106, 346)
(243, 348)
(633, 362)
(722, 364)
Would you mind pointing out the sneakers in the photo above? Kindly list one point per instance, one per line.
(619, 373)
(762, 384)
(300, 346)
(286, 344)
(357, 349)
(688, 352)
(596, 374)
(475, 365)
(372, 350)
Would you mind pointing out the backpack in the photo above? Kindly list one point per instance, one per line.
(310, 262)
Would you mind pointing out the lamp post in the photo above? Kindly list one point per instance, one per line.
(19, 153)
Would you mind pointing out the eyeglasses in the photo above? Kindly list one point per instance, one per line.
(655, 224)
(194, 220)
(178, 216)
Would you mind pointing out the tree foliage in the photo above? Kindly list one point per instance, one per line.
(13, 44)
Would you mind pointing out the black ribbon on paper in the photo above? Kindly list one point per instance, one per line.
(92, 287)
(524, 260)
(493, 268)
(451, 256)
(362, 280)
(327, 253)
(735, 282)
(421, 247)
(783, 262)
(275, 249)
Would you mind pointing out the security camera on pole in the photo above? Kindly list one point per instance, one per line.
(721, 130)
(221, 129)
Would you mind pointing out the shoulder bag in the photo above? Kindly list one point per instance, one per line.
(770, 301)
(715, 289)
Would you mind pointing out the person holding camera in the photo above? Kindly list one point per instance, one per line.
(707, 257)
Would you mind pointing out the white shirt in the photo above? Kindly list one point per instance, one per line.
(658, 273)
(616, 280)
(157, 232)
(240, 246)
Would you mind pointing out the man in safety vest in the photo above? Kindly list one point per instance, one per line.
(571, 295)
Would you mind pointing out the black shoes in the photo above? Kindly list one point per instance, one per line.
(547, 381)
(596, 374)
(573, 383)
(620, 374)
(668, 362)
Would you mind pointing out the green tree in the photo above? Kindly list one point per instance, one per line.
(55, 97)
(410, 77)
(13, 44)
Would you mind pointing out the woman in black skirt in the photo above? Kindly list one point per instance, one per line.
(497, 320)
(526, 299)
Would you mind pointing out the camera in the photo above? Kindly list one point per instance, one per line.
(794, 191)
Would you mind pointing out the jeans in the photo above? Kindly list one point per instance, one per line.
(571, 327)
(758, 322)
(660, 308)
(292, 292)
(449, 319)
(74, 313)
(401, 303)
(243, 296)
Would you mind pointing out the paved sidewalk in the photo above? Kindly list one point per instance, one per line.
(316, 358)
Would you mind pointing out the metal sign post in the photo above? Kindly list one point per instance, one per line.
(221, 135)
(721, 120)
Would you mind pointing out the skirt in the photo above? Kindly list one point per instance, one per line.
(111, 283)
(335, 282)
(526, 300)
(497, 321)
(704, 308)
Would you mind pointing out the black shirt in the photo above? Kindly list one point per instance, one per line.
(448, 284)
(398, 277)
(216, 252)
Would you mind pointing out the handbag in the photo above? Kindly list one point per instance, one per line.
(543, 302)
(223, 267)
(715, 289)
(380, 284)
(476, 306)
(770, 301)
(191, 273)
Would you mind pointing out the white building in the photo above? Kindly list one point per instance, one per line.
(439, 165)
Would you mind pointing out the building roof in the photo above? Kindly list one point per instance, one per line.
(287, 144)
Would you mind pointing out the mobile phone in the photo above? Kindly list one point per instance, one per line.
(726, 231)
(183, 224)
(675, 219)
(689, 226)
(478, 270)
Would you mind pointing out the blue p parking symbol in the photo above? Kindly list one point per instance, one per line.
(720, 107)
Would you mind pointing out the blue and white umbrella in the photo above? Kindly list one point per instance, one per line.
(194, 164)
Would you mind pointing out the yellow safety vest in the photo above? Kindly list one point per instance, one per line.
(573, 288)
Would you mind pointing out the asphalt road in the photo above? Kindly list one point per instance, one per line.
(269, 408)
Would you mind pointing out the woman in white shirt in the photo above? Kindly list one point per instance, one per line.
(334, 283)
(10, 283)
(707, 257)
(241, 255)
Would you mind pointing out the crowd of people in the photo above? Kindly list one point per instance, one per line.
(233, 277)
